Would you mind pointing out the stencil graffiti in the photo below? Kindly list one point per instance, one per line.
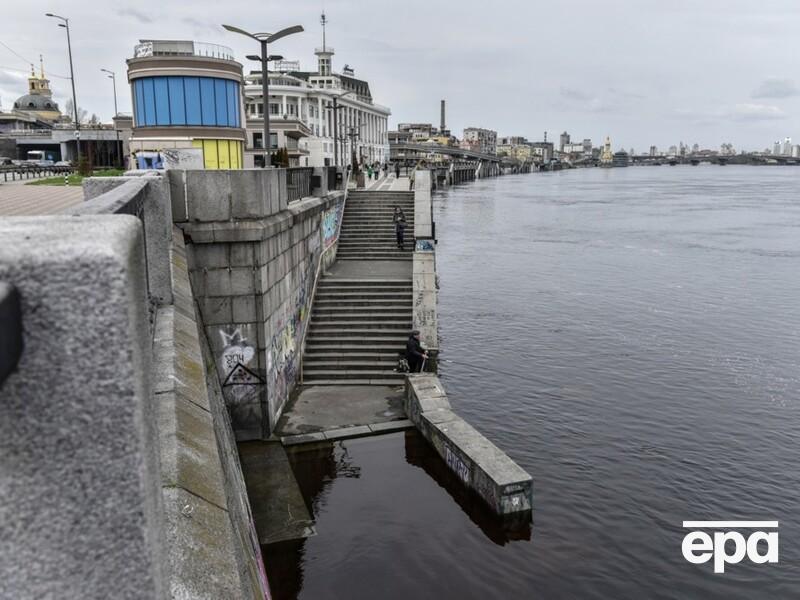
(236, 350)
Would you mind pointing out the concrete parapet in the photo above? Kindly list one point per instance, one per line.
(423, 210)
(147, 197)
(425, 298)
(80, 501)
(480, 465)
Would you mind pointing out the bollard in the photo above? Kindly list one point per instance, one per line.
(10, 330)
(66, 177)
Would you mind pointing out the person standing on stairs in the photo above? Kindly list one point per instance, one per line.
(399, 220)
(415, 354)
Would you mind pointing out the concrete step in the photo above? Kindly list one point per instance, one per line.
(347, 366)
(349, 294)
(367, 299)
(311, 374)
(392, 257)
(365, 282)
(362, 355)
(349, 313)
(381, 382)
(382, 305)
(346, 329)
(362, 318)
(345, 343)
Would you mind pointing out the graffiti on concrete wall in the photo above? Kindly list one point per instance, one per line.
(330, 224)
(283, 353)
(235, 350)
(456, 464)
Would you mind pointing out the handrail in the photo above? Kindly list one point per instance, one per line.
(319, 270)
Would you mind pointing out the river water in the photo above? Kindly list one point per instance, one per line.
(631, 337)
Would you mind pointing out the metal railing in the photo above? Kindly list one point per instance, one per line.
(15, 172)
(181, 48)
(10, 330)
(322, 254)
(298, 182)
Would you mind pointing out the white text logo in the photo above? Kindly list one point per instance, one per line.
(730, 546)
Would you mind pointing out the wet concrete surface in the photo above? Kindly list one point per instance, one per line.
(324, 409)
(279, 510)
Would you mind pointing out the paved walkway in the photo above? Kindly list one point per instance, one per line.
(27, 200)
(390, 183)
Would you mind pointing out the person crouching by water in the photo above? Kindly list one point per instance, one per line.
(399, 219)
(415, 354)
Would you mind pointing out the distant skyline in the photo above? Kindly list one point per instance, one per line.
(644, 72)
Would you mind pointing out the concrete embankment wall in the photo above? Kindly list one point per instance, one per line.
(480, 465)
(253, 258)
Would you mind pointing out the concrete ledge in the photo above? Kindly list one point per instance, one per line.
(481, 465)
(258, 229)
(425, 297)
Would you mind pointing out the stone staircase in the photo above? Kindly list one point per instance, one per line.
(359, 325)
(368, 229)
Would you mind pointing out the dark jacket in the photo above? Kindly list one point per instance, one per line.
(414, 350)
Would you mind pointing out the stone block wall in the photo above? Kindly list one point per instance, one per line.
(253, 258)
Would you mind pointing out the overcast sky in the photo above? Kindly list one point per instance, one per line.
(644, 72)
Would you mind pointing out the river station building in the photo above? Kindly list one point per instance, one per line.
(301, 115)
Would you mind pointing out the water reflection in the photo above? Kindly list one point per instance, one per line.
(362, 494)
(500, 530)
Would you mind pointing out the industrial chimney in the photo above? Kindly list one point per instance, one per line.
(442, 126)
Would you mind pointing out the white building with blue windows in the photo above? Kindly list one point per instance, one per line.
(186, 95)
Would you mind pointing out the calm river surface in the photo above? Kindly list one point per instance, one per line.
(631, 337)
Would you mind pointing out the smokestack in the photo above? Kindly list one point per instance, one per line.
(442, 126)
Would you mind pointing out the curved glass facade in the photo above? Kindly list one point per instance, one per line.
(164, 101)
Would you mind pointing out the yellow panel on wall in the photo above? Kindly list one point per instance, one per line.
(210, 154)
(235, 164)
(221, 154)
(224, 154)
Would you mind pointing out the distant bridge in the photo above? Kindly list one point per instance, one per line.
(414, 150)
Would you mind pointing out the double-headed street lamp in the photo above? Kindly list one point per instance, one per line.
(264, 39)
(65, 24)
(113, 77)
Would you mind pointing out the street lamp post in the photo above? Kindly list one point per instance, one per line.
(336, 108)
(112, 76)
(264, 39)
(65, 24)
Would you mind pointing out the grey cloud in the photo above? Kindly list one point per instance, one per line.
(137, 15)
(776, 88)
